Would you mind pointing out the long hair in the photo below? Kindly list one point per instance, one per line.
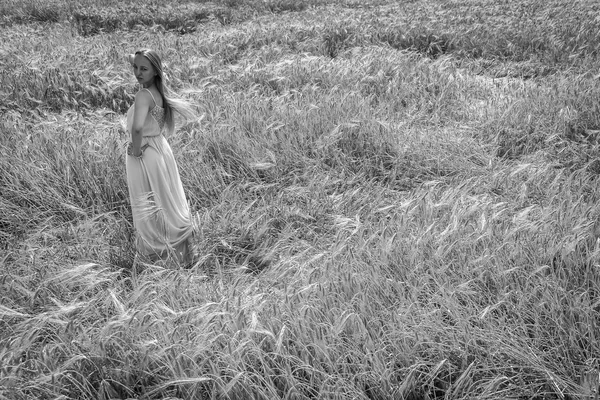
(171, 103)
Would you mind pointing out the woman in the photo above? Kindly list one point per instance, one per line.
(161, 215)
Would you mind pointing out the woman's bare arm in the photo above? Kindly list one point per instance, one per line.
(143, 102)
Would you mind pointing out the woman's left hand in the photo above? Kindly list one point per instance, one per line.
(132, 153)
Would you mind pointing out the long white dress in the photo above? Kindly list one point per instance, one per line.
(161, 214)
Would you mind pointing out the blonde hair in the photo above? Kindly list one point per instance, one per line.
(171, 103)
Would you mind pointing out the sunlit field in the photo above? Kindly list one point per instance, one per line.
(392, 200)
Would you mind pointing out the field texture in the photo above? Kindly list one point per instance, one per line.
(392, 200)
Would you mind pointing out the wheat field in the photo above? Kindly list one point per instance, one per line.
(392, 200)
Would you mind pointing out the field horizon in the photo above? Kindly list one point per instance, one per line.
(391, 200)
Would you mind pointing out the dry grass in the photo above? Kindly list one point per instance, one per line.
(391, 200)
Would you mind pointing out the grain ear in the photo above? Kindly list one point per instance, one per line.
(590, 382)
(596, 228)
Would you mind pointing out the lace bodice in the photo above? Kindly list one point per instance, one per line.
(158, 113)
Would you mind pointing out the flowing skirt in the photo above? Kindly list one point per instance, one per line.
(161, 214)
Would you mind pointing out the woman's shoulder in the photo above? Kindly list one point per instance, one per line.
(144, 97)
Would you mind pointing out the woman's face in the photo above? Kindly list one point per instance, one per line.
(143, 70)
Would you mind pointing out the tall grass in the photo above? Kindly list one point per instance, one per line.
(390, 200)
